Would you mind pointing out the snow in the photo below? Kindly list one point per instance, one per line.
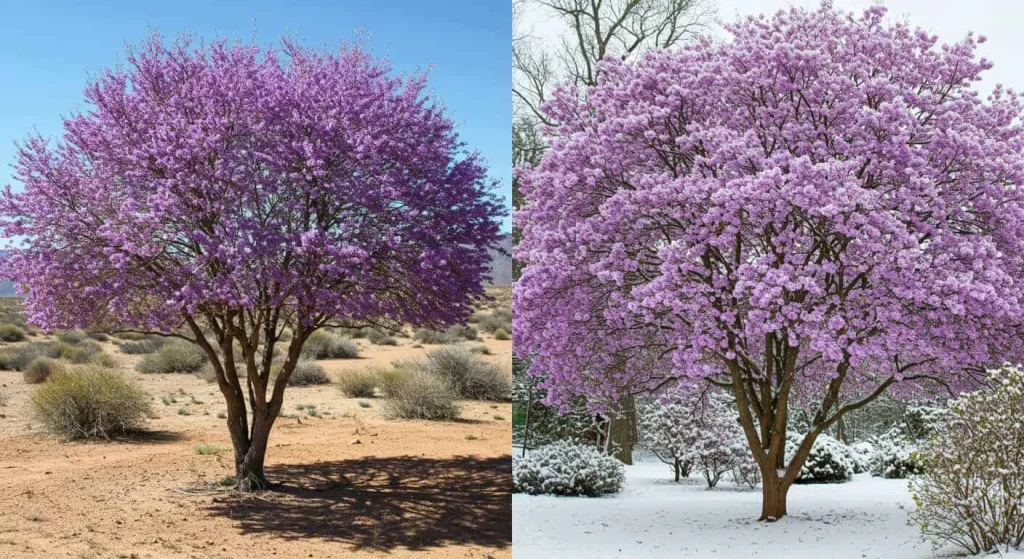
(656, 517)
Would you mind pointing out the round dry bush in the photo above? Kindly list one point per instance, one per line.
(501, 334)
(308, 373)
(40, 369)
(72, 337)
(422, 396)
(11, 333)
(327, 345)
(471, 377)
(358, 384)
(173, 357)
(87, 401)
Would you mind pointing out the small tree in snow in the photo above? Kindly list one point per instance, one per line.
(972, 488)
(696, 427)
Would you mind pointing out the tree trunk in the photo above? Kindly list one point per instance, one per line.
(773, 498)
(622, 430)
(249, 464)
(678, 469)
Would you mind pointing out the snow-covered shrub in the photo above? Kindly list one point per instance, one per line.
(829, 461)
(971, 491)
(567, 468)
(862, 453)
(895, 457)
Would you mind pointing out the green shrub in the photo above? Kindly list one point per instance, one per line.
(99, 336)
(11, 333)
(471, 377)
(89, 401)
(173, 357)
(422, 396)
(40, 369)
(327, 345)
(72, 337)
(501, 334)
(358, 384)
(131, 336)
(144, 346)
(308, 373)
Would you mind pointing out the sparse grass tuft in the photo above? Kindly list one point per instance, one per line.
(204, 449)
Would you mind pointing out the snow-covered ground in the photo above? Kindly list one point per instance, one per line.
(655, 517)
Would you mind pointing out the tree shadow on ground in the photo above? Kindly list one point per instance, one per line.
(383, 502)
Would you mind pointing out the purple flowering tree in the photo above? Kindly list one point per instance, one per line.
(227, 194)
(815, 212)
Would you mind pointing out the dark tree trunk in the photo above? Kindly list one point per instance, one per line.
(622, 430)
(249, 464)
(678, 468)
(773, 497)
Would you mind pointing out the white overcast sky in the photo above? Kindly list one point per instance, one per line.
(1001, 21)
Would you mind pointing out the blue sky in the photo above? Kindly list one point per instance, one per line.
(48, 51)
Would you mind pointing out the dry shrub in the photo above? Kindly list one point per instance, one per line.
(308, 373)
(327, 345)
(501, 334)
(144, 346)
(471, 377)
(11, 333)
(174, 357)
(40, 369)
(72, 337)
(359, 384)
(422, 396)
(88, 401)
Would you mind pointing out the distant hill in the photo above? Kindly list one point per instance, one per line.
(501, 261)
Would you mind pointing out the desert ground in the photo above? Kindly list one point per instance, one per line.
(353, 484)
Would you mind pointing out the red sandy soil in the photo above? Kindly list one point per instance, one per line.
(352, 484)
